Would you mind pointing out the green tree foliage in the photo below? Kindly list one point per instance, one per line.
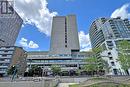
(124, 56)
(95, 62)
(97, 50)
(11, 70)
(55, 69)
(92, 64)
(99, 61)
(35, 71)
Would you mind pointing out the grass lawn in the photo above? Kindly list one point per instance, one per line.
(109, 86)
(76, 85)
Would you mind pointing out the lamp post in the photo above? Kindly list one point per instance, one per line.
(14, 73)
(30, 64)
(42, 71)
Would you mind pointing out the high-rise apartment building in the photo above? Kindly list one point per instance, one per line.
(12, 55)
(106, 33)
(10, 24)
(64, 35)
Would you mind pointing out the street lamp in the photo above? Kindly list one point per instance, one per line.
(30, 64)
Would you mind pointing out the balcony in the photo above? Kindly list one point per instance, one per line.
(6, 57)
(3, 66)
(2, 71)
(10, 52)
(4, 48)
(4, 61)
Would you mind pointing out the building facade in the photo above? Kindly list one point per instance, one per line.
(64, 35)
(106, 33)
(66, 62)
(10, 24)
(12, 55)
(64, 47)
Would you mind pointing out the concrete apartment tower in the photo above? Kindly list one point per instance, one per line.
(106, 33)
(10, 24)
(12, 55)
(64, 35)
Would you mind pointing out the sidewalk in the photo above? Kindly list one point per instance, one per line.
(65, 84)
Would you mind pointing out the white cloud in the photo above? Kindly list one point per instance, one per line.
(24, 43)
(84, 41)
(35, 12)
(32, 45)
(122, 12)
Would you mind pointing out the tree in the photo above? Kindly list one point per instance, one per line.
(123, 55)
(55, 69)
(95, 62)
(35, 70)
(104, 66)
(92, 64)
(11, 70)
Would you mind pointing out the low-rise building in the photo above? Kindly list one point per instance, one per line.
(67, 62)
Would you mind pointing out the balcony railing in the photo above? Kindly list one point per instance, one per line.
(55, 56)
(61, 63)
(2, 71)
(3, 66)
(4, 61)
(3, 48)
(6, 52)
(3, 57)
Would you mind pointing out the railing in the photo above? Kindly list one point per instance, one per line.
(4, 61)
(11, 48)
(56, 56)
(8, 56)
(57, 63)
(2, 71)
(6, 52)
(3, 66)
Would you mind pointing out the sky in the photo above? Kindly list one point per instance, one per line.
(37, 16)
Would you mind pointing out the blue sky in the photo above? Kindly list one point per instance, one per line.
(37, 16)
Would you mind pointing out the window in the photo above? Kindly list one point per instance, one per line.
(110, 58)
(5, 51)
(7, 47)
(7, 60)
(112, 63)
(2, 40)
(110, 48)
(109, 43)
(115, 71)
(65, 41)
(65, 55)
(65, 45)
(4, 55)
(109, 53)
(2, 60)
